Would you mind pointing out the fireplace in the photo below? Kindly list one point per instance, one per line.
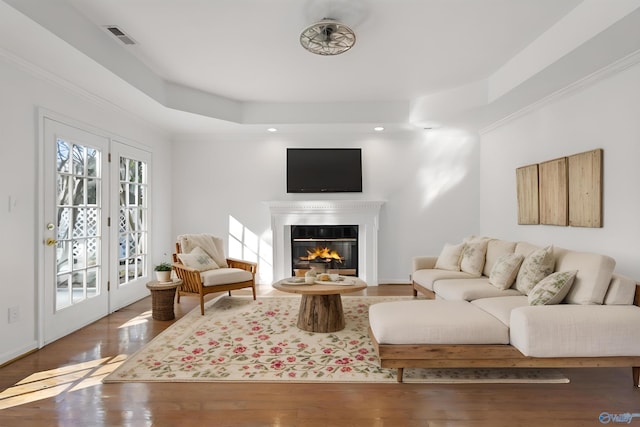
(324, 248)
(363, 213)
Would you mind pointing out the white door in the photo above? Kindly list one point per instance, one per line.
(130, 224)
(76, 238)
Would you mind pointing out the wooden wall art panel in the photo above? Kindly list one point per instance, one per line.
(554, 201)
(527, 189)
(585, 189)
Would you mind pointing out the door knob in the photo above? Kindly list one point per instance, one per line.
(51, 242)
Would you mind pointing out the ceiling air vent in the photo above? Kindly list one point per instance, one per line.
(120, 35)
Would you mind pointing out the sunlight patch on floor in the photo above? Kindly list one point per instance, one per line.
(45, 384)
(139, 319)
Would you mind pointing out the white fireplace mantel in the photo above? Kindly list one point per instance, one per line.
(363, 213)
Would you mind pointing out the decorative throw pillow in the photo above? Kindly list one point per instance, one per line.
(449, 258)
(535, 267)
(505, 270)
(552, 289)
(473, 256)
(198, 259)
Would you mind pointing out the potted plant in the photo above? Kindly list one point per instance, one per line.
(163, 272)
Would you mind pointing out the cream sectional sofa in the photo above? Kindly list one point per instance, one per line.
(469, 321)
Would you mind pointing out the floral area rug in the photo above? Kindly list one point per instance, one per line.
(239, 339)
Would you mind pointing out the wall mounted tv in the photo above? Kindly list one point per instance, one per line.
(324, 170)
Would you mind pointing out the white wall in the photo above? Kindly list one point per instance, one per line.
(428, 180)
(603, 115)
(22, 94)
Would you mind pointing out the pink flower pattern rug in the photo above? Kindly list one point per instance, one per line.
(239, 339)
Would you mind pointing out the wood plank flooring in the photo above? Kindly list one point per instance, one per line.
(68, 392)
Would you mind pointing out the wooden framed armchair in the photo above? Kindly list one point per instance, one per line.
(200, 262)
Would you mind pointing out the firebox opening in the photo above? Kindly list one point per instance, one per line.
(325, 248)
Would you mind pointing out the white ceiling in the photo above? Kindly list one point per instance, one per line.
(240, 62)
(249, 50)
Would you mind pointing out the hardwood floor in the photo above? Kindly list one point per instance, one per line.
(67, 391)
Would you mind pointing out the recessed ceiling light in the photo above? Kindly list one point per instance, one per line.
(272, 130)
(378, 128)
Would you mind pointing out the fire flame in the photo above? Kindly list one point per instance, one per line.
(325, 254)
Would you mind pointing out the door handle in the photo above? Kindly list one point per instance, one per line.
(51, 242)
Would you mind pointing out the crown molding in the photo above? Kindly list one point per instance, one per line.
(589, 80)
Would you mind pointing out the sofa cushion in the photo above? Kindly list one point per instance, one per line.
(427, 277)
(450, 256)
(525, 248)
(621, 291)
(570, 330)
(500, 307)
(535, 267)
(495, 249)
(223, 276)
(552, 289)
(473, 256)
(505, 270)
(434, 322)
(469, 289)
(593, 278)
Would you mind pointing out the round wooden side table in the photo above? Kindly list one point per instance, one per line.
(162, 296)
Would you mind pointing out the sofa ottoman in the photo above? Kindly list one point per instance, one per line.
(435, 322)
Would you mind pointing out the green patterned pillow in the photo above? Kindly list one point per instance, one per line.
(473, 257)
(535, 267)
(552, 289)
(505, 270)
(198, 259)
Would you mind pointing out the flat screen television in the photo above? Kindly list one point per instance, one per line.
(324, 170)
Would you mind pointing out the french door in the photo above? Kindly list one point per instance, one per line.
(130, 224)
(92, 265)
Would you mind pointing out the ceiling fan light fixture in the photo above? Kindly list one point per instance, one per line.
(327, 37)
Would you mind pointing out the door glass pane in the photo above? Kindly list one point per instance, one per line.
(92, 162)
(92, 282)
(93, 193)
(63, 156)
(64, 219)
(92, 252)
(78, 228)
(133, 220)
(77, 286)
(78, 159)
(63, 291)
(79, 255)
(63, 255)
(64, 190)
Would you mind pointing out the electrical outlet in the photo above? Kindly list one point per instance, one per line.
(14, 314)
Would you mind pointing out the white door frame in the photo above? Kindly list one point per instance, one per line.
(40, 234)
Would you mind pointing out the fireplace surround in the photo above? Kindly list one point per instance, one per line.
(362, 213)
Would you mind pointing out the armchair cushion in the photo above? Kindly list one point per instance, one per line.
(198, 259)
(224, 276)
(214, 246)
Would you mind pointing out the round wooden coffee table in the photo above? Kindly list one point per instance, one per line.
(321, 305)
